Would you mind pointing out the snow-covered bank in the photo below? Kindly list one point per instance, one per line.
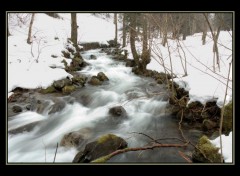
(202, 83)
(29, 65)
(226, 146)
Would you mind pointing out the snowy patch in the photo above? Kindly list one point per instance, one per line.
(226, 146)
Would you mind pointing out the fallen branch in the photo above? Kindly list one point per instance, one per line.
(109, 156)
(55, 153)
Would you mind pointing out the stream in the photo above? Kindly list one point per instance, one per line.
(88, 110)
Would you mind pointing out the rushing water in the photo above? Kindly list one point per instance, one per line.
(89, 110)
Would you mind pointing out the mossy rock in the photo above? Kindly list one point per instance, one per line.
(68, 89)
(103, 146)
(228, 119)
(49, 89)
(195, 105)
(79, 79)
(208, 125)
(206, 152)
(58, 85)
(102, 77)
(105, 138)
(65, 63)
(95, 81)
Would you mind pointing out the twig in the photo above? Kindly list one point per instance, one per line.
(184, 156)
(223, 108)
(55, 153)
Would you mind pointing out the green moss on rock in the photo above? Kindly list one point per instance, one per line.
(106, 137)
(206, 152)
(227, 118)
(49, 89)
(68, 89)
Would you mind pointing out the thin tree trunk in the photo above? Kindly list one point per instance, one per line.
(133, 37)
(29, 39)
(205, 27)
(116, 33)
(124, 30)
(145, 55)
(74, 33)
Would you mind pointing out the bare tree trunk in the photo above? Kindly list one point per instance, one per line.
(74, 33)
(164, 40)
(124, 30)
(215, 39)
(205, 27)
(116, 33)
(29, 39)
(145, 57)
(133, 37)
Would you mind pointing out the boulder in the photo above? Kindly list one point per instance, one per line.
(206, 152)
(94, 81)
(17, 109)
(118, 111)
(93, 57)
(76, 64)
(57, 107)
(68, 89)
(208, 125)
(27, 128)
(102, 77)
(61, 83)
(79, 80)
(49, 89)
(103, 146)
(76, 138)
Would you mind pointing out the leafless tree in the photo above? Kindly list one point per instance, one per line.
(29, 39)
(74, 27)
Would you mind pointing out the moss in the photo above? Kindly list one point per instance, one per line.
(106, 137)
(227, 118)
(68, 89)
(102, 159)
(49, 89)
(65, 63)
(208, 149)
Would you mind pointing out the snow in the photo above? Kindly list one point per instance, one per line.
(202, 83)
(31, 66)
(226, 146)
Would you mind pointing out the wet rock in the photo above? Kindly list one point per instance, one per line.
(117, 111)
(57, 107)
(102, 77)
(94, 81)
(103, 146)
(17, 109)
(76, 138)
(42, 106)
(24, 128)
(68, 89)
(206, 152)
(61, 83)
(208, 125)
(130, 63)
(79, 80)
(49, 89)
(93, 57)
(76, 64)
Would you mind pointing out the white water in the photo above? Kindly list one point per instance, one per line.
(145, 115)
